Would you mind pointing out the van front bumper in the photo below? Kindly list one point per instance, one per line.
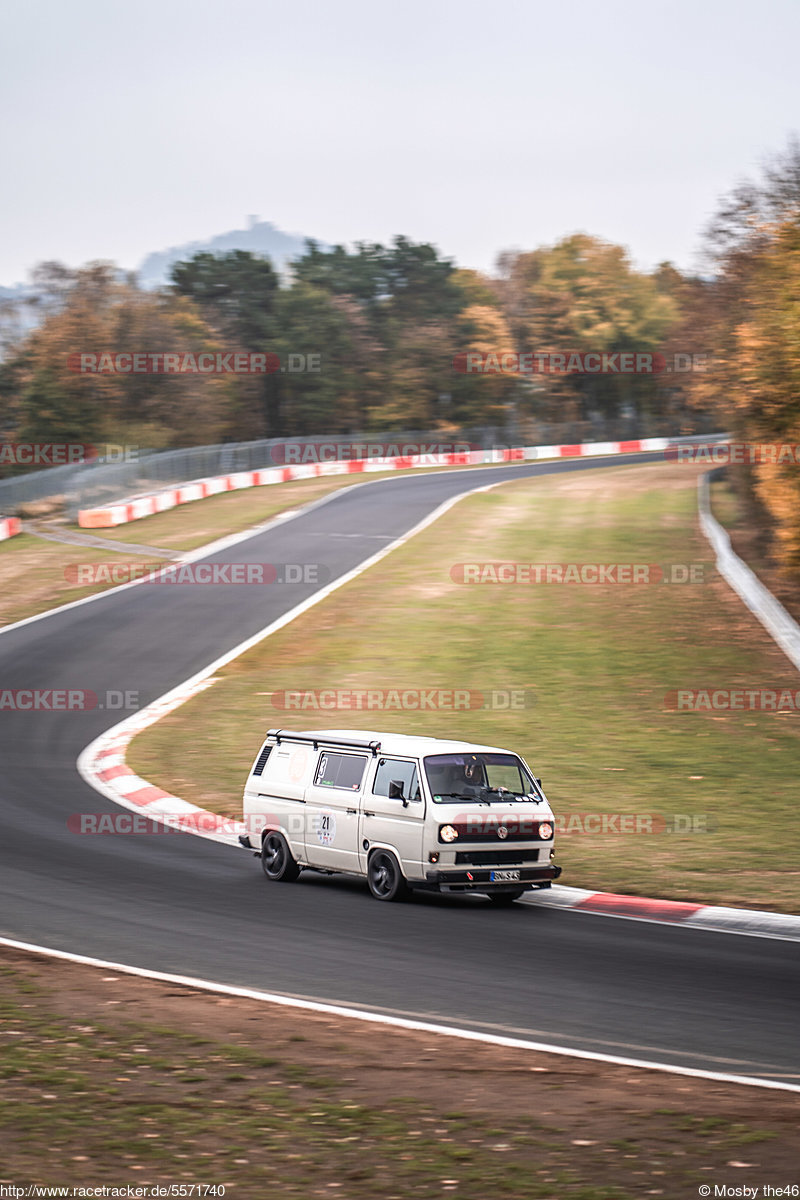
(479, 879)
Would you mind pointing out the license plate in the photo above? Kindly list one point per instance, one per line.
(503, 876)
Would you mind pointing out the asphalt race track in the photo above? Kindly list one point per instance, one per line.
(182, 904)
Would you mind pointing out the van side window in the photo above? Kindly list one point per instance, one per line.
(262, 760)
(392, 770)
(340, 771)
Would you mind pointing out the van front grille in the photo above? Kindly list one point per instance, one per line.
(480, 858)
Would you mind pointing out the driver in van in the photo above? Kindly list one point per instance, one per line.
(458, 779)
(473, 777)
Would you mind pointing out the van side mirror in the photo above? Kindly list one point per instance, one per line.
(538, 782)
(396, 791)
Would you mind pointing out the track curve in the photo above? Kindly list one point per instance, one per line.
(181, 904)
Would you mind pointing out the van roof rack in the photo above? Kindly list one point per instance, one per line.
(286, 735)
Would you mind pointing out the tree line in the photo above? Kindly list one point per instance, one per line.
(386, 323)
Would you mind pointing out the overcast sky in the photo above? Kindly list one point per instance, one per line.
(130, 127)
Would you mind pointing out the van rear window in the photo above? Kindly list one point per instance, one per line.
(340, 771)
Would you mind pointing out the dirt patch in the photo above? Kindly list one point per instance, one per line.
(306, 1096)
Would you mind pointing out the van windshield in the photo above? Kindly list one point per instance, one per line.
(483, 778)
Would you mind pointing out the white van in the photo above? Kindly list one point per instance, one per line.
(404, 812)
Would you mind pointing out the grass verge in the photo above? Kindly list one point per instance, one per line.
(35, 575)
(111, 1080)
(595, 664)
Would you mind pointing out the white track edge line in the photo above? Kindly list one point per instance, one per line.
(535, 901)
(395, 1022)
(233, 539)
(198, 553)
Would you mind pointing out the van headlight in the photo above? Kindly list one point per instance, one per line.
(545, 831)
(448, 833)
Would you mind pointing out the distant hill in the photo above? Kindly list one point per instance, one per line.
(17, 293)
(260, 237)
(19, 311)
(22, 307)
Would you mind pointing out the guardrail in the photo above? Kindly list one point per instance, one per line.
(39, 485)
(748, 587)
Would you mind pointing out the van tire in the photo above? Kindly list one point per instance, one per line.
(385, 879)
(503, 899)
(276, 859)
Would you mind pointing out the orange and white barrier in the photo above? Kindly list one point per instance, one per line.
(9, 527)
(198, 489)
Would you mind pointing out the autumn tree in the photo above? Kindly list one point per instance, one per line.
(101, 310)
(750, 317)
(236, 294)
(583, 295)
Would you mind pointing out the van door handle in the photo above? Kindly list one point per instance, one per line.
(368, 814)
(352, 810)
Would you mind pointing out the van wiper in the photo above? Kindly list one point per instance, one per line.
(462, 796)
